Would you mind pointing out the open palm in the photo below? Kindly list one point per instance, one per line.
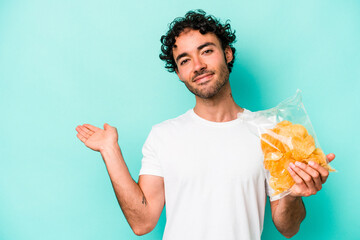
(96, 138)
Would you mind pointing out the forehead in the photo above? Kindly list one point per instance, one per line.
(190, 39)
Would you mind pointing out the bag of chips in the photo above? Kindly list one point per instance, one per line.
(286, 136)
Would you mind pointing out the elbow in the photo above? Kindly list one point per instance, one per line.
(139, 232)
(142, 229)
(288, 230)
(291, 233)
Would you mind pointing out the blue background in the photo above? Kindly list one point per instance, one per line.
(64, 63)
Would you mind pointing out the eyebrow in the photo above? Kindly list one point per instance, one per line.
(198, 48)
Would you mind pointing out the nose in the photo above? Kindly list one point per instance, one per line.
(199, 64)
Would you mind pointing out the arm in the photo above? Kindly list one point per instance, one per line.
(141, 202)
(289, 212)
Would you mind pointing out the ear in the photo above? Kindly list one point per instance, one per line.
(228, 54)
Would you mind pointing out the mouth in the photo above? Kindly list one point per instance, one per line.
(203, 77)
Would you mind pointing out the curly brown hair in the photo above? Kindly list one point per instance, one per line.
(197, 20)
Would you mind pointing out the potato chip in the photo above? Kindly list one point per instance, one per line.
(270, 158)
(319, 157)
(285, 144)
(293, 130)
(302, 147)
(281, 184)
(271, 144)
(277, 167)
(283, 124)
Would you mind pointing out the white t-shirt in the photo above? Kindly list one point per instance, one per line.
(215, 185)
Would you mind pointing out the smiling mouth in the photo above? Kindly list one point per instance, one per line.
(203, 77)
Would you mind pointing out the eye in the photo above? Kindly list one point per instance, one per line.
(208, 51)
(184, 61)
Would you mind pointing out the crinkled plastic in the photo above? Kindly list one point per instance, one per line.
(286, 136)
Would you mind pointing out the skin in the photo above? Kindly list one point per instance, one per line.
(142, 202)
(220, 105)
(201, 66)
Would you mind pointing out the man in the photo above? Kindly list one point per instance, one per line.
(205, 163)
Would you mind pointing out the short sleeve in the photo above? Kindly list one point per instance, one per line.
(150, 164)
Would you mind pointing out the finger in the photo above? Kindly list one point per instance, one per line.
(303, 175)
(109, 127)
(323, 172)
(91, 127)
(330, 157)
(86, 130)
(81, 131)
(81, 137)
(297, 178)
(315, 175)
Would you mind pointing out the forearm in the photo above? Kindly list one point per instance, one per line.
(129, 195)
(288, 216)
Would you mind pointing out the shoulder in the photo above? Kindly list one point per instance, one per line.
(172, 123)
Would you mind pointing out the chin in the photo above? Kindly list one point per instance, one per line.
(206, 94)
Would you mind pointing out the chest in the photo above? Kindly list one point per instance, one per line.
(220, 153)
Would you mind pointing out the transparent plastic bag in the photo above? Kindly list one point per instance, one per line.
(286, 136)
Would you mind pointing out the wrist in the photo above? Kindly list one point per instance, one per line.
(109, 147)
(291, 198)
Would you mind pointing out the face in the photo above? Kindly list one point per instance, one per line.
(201, 62)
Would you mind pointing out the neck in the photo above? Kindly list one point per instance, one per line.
(219, 108)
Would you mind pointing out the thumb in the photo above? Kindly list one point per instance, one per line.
(106, 126)
(110, 129)
(330, 157)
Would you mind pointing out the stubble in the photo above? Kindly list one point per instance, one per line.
(206, 92)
